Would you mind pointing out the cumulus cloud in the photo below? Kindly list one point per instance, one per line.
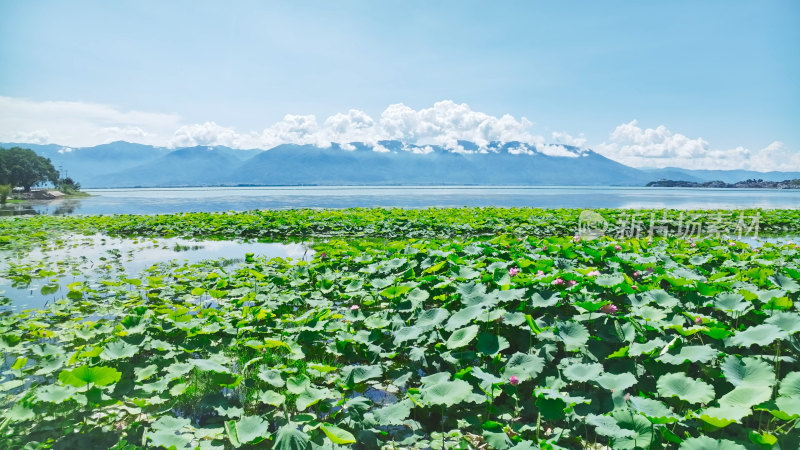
(448, 122)
(445, 124)
(80, 124)
(659, 147)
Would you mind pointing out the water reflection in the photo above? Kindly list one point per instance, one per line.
(91, 259)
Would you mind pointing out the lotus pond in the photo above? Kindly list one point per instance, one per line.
(467, 328)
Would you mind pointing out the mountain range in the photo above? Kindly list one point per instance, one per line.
(124, 164)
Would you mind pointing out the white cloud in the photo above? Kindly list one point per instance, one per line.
(660, 147)
(447, 122)
(80, 124)
(567, 139)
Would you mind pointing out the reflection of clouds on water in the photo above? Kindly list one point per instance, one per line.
(298, 251)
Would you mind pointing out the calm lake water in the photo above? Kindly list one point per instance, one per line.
(172, 200)
(91, 257)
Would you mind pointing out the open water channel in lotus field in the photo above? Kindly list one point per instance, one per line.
(85, 257)
(175, 200)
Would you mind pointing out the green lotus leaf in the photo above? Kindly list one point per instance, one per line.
(654, 410)
(337, 435)
(491, 344)
(271, 398)
(607, 426)
(524, 366)
(117, 350)
(208, 365)
(785, 283)
(289, 437)
(252, 430)
(431, 318)
(699, 260)
(394, 414)
(609, 280)
(790, 385)
(722, 417)
(353, 375)
(271, 376)
(685, 388)
(462, 337)
(169, 439)
(85, 375)
(789, 405)
(762, 335)
(538, 299)
(747, 371)
(691, 353)
(54, 394)
(170, 423)
(376, 321)
(309, 397)
(786, 321)
(662, 298)
(298, 384)
(463, 317)
(638, 349)
(143, 373)
(707, 443)
(745, 397)
(641, 428)
(404, 334)
(732, 304)
(616, 382)
(583, 372)
(573, 334)
(446, 393)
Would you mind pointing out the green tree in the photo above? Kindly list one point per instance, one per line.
(22, 167)
(5, 191)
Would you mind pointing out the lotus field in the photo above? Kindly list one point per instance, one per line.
(457, 329)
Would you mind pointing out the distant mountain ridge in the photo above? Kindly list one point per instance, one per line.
(124, 164)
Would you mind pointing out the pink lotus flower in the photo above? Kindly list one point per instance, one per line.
(609, 308)
(627, 397)
(539, 273)
(593, 273)
(576, 239)
(323, 255)
(617, 247)
(698, 321)
(544, 248)
(512, 272)
(354, 307)
(636, 274)
(558, 281)
(694, 245)
(635, 287)
(756, 249)
(513, 380)
(572, 283)
(732, 244)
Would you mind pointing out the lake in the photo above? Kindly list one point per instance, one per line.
(174, 200)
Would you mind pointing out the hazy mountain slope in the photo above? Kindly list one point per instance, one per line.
(193, 166)
(124, 164)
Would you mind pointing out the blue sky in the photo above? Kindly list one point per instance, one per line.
(703, 80)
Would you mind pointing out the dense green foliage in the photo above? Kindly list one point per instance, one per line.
(502, 341)
(24, 168)
(405, 223)
(5, 191)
